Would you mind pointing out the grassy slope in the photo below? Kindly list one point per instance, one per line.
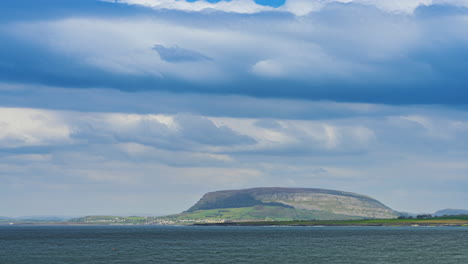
(253, 213)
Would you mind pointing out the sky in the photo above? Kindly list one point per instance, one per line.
(142, 106)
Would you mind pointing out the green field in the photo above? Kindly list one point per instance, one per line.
(258, 212)
(436, 221)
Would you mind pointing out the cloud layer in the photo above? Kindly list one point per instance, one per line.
(297, 7)
(112, 154)
(329, 54)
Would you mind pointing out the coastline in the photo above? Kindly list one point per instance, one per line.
(341, 223)
(444, 221)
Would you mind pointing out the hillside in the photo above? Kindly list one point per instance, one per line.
(283, 204)
(451, 212)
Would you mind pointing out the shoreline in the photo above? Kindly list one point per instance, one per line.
(337, 225)
(254, 224)
(461, 221)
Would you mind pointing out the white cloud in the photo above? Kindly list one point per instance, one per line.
(126, 47)
(21, 127)
(236, 6)
(269, 68)
(403, 6)
(204, 137)
(421, 120)
(297, 7)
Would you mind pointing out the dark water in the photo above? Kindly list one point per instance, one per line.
(153, 244)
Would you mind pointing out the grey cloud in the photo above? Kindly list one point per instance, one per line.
(176, 54)
(320, 139)
(191, 132)
(327, 55)
(268, 123)
(101, 100)
(204, 131)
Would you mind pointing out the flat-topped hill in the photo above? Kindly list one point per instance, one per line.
(451, 212)
(285, 204)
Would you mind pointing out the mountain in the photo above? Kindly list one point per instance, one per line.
(284, 204)
(451, 212)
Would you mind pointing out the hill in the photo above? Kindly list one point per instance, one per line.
(283, 204)
(451, 212)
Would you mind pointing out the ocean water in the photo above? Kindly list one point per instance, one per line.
(167, 244)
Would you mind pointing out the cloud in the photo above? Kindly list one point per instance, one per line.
(326, 55)
(297, 7)
(31, 127)
(189, 133)
(204, 131)
(237, 6)
(176, 54)
(295, 138)
(111, 154)
(268, 68)
(149, 102)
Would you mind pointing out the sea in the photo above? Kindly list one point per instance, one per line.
(209, 244)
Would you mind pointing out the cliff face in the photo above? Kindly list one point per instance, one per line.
(316, 200)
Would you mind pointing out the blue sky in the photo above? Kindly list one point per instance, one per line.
(117, 107)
